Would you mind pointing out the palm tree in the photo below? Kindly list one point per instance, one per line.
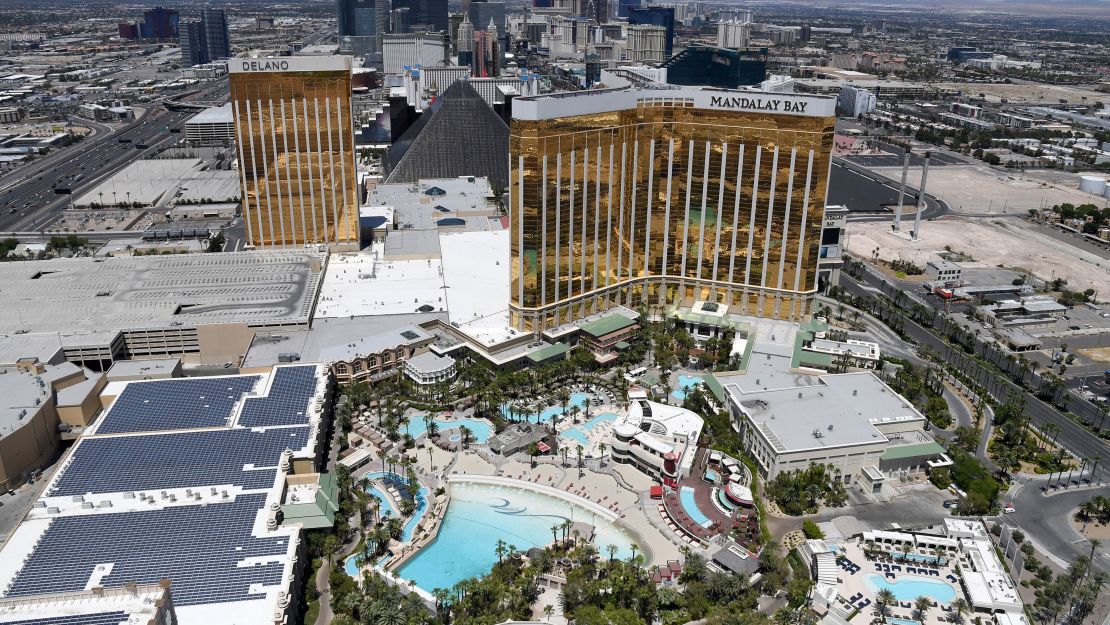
(612, 549)
(959, 608)
(602, 447)
(883, 600)
(548, 610)
(500, 549)
(554, 533)
(921, 606)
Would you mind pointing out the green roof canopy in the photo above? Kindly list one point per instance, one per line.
(607, 325)
(550, 351)
(932, 448)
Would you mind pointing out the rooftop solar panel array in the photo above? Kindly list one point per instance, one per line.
(176, 460)
(199, 548)
(175, 404)
(287, 402)
(103, 618)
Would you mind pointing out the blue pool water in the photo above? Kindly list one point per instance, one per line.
(481, 514)
(579, 433)
(420, 499)
(576, 399)
(387, 506)
(479, 428)
(901, 621)
(712, 476)
(575, 435)
(686, 497)
(685, 383)
(910, 587)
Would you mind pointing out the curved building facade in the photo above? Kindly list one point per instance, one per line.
(665, 197)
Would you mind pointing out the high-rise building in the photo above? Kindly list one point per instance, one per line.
(426, 15)
(710, 66)
(128, 30)
(465, 41)
(159, 23)
(624, 7)
(656, 16)
(217, 41)
(401, 22)
(665, 197)
(192, 43)
(361, 25)
(411, 50)
(733, 34)
(482, 12)
(647, 44)
(295, 135)
(205, 40)
(487, 53)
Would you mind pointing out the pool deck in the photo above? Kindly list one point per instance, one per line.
(856, 585)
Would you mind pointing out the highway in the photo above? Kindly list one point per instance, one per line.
(1073, 436)
(28, 200)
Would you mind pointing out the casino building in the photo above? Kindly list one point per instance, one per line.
(663, 197)
(295, 134)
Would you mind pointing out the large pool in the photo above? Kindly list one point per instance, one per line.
(685, 383)
(481, 514)
(479, 428)
(576, 399)
(686, 497)
(910, 587)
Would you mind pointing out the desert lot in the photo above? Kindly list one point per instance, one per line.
(991, 242)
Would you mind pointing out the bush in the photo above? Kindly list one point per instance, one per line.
(810, 529)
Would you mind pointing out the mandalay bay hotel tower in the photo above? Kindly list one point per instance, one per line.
(658, 198)
(296, 150)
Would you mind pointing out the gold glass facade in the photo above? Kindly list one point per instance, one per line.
(296, 154)
(665, 203)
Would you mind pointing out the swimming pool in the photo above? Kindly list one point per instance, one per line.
(481, 514)
(479, 429)
(574, 434)
(387, 506)
(712, 476)
(910, 587)
(576, 399)
(901, 621)
(580, 433)
(686, 497)
(685, 383)
(420, 500)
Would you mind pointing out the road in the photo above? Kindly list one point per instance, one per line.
(1041, 513)
(1046, 520)
(1072, 435)
(870, 195)
(31, 202)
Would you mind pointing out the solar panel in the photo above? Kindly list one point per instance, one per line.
(175, 404)
(176, 460)
(200, 549)
(103, 618)
(287, 402)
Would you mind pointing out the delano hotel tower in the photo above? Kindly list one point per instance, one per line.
(663, 197)
(296, 150)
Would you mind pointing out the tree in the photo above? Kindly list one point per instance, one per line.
(959, 608)
(921, 607)
(883, 600)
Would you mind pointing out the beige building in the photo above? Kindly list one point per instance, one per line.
(39, 401)
(378, 356)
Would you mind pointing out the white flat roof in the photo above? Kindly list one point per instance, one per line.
(573, 103)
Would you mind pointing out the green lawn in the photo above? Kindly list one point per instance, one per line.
(312, 612)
